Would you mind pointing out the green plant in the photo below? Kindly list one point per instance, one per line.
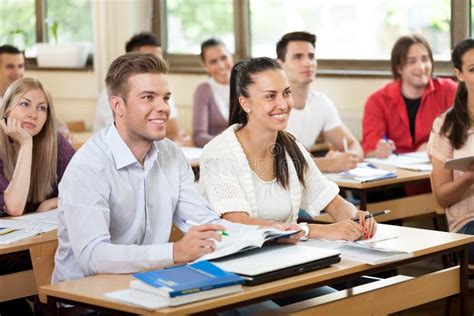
(53, 26)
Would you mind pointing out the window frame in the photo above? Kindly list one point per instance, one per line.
(189, 63)
(42, 37)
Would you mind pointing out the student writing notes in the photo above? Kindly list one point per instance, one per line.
(313, 112)
(33, 154)
(256, 173)
(126, 186)
(453, 137)
(398, 117)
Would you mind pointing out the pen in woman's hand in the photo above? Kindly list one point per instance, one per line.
(370, 215)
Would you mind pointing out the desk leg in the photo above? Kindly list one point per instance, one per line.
(363, 200)
(51, 307)
(464, 279)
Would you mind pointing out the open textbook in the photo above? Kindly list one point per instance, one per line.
(462, 164)
(371, 251)
(245, 237)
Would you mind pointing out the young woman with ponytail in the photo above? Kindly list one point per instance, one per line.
(452, 136)
(256, 173)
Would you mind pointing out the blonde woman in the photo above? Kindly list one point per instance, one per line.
(33, 155)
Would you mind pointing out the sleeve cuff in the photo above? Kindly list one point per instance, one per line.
(326, 196)
(231, 205)
(161, 255)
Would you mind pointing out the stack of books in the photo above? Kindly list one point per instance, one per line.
(179, 285)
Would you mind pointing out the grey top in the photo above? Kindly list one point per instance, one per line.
(208, 121)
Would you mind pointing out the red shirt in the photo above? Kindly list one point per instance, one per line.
(385, 113)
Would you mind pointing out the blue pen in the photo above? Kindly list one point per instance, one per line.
(386, 139)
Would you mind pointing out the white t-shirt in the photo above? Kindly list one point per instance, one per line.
(273, 200)
(318, 115)
(103, 113)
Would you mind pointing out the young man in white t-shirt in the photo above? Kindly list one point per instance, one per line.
(313, 113)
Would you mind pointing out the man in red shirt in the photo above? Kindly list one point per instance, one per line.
(398, 116)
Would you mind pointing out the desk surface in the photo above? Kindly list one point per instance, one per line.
(29, 242)
(91, 290)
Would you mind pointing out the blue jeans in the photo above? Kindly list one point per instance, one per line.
(469, 230)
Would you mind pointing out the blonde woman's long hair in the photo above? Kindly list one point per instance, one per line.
(45, 143)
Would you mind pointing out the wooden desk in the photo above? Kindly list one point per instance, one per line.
(401, 208)
(80, 138)
(423, 243)
(21, 284)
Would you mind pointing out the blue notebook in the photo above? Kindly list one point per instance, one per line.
(189, 278)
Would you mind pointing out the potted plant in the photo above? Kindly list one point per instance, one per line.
(61, 55)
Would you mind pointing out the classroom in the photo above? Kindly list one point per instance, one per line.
(145, 140)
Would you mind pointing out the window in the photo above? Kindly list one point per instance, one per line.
(73, 18)
(351, 29)
(354, 36)
(190, 22)
(16, 23)
(26, 22)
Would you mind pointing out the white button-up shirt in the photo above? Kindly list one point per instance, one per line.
(116, 215)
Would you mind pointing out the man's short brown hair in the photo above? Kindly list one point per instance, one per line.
(130, 64)
(400, 52)
(282, 44)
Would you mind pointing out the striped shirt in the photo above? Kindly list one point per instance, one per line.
(116, 215)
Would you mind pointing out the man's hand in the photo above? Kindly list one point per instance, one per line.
(341, 161)
(384, 148)
(197, 242)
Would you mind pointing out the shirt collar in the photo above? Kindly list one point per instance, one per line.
(122, 154)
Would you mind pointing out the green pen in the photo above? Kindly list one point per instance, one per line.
(191, 223)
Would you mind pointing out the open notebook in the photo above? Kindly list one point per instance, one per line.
(401, 159)
(371, 251)
(243, 238)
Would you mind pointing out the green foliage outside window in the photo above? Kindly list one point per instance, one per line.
(190, 22)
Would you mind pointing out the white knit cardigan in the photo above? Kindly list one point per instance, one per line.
(226, 180)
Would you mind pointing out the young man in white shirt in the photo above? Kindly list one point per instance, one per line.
(125, 187)
(313, 113)
(144, 42)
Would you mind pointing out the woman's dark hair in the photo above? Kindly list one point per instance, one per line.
(240, 79)
(211, 42)
(458, 120)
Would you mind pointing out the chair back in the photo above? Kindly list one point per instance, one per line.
(438, 208)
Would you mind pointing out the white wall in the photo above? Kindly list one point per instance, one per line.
(75, 92)
(348, 94)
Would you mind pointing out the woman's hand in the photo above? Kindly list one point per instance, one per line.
(13, 129)
(369, 225)
(293, 239)
(345, 230)
(48, 205)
